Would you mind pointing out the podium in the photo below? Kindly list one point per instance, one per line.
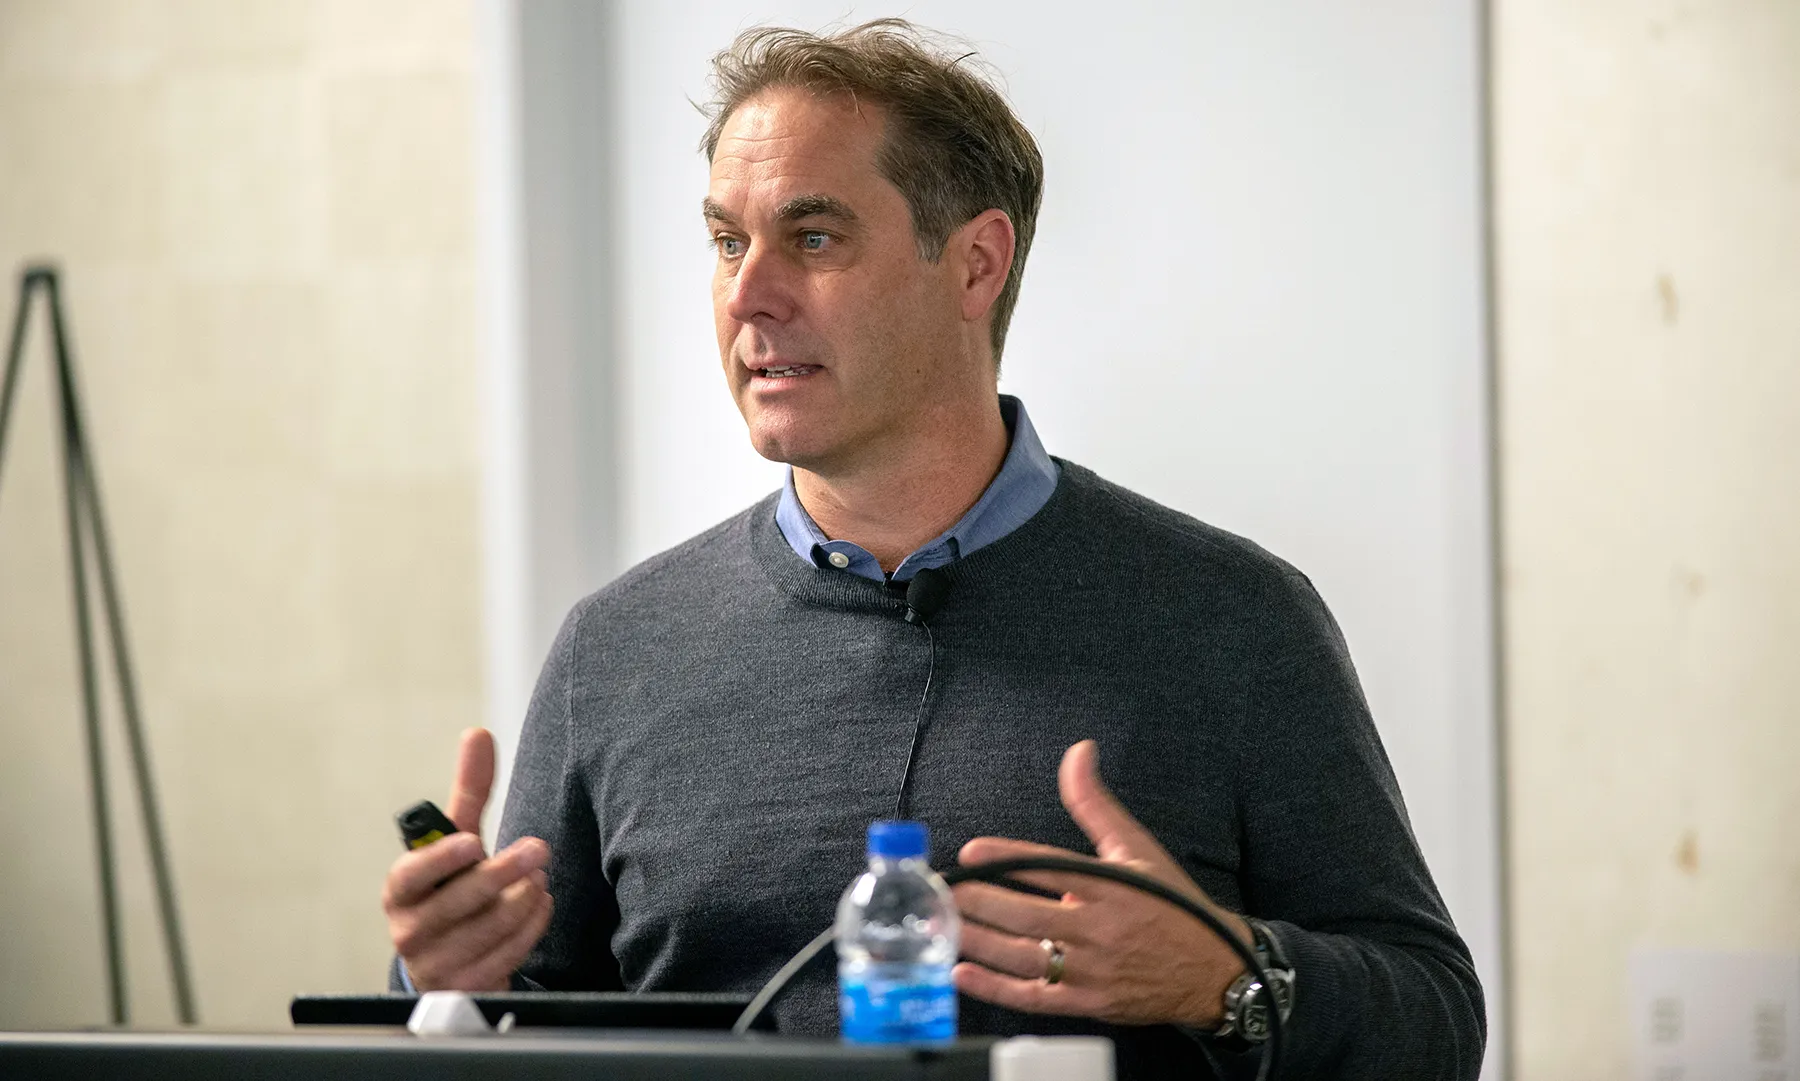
(521, 1055)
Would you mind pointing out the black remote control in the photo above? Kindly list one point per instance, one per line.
(423, 823)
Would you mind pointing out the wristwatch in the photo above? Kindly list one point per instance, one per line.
(1247, 1000)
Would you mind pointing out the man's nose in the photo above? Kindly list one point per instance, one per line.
(762, 287)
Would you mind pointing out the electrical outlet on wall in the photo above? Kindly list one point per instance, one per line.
(1707, 1015)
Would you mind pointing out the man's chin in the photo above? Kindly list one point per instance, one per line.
(788, 446)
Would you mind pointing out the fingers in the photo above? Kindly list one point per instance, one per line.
(470, 893)
(1116, 835)
(441, 931)
(416, 875)
(1004, 953)
(1029, 996)
(486, 948)
(474, 779)
(478, 935)
(1018, 913)
(988, 849)
(496, 969)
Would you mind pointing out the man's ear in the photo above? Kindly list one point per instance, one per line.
(983, 249)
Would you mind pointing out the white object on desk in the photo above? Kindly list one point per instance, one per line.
(1052, 1058)
(448, 1013)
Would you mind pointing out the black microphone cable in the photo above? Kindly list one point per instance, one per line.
(997, 871)
(912, 752)
(924, 596)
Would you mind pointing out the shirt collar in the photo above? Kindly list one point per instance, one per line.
(1020, 490)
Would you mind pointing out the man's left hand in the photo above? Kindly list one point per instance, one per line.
(1128, 958)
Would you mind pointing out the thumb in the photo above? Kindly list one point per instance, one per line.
(474, 779)
(1116, 835)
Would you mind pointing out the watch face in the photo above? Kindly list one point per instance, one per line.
(1254, 1016)
(1253, 1009)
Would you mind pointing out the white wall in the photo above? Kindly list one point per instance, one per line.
(550, 473)
(1256, 295)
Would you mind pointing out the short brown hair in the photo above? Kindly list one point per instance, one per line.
(953, 146)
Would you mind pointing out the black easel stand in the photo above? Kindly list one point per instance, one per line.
(86, 524)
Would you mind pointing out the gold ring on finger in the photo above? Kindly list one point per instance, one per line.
(1054, 956)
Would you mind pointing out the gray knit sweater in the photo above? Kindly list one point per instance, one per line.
(713, 732)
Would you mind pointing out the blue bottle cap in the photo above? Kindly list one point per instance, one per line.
(898, 840)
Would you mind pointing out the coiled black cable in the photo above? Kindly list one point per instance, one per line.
(997, 871)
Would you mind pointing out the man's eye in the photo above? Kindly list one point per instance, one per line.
(814, 241)
(729, 246)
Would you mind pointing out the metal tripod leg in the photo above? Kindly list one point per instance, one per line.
(86, 521)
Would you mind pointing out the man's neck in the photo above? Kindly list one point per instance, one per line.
(893, 508)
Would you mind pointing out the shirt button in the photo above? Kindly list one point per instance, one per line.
(839, 560)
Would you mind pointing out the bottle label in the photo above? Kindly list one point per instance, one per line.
(897, 1003)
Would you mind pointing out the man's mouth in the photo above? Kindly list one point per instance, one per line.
(788, 371)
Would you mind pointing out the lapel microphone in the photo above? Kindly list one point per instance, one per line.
(925, 594)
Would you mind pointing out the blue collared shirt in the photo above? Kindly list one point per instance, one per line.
(1026, 479)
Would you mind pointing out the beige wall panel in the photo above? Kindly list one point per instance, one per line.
(1648, 212)
(244, 195)
(396, 35)
(247, 33)
(401, 335)
(400, 573)
(80, 40)
(48, 900)
(262, 211)
(94, 197)
(390, 137)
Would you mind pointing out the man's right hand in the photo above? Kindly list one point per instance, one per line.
(471, 933)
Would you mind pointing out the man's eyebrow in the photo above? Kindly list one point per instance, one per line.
(815, 206)
(800, 206)
(714, 212)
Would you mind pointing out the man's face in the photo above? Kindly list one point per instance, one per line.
(837, 339)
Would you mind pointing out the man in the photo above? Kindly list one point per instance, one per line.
(713, 731)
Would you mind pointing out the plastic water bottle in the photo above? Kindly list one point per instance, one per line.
(897, 932)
